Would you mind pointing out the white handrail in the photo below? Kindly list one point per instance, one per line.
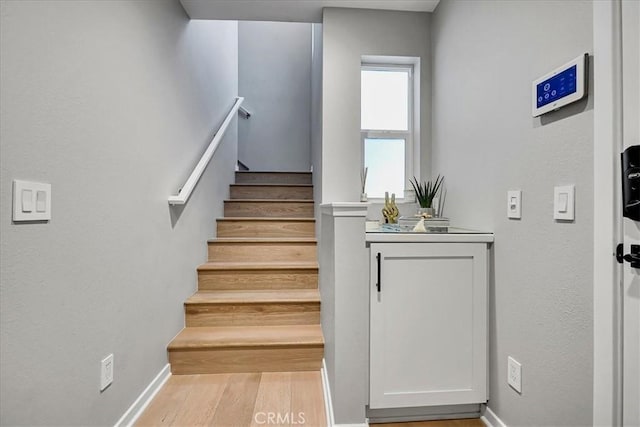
(187, 188)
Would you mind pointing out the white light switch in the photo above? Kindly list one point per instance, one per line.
(27, 200)
(41, 201)
(514, 204)
(31, 201)
(564, 203)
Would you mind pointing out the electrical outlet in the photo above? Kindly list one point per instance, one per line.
(514, 374)
(106, 372)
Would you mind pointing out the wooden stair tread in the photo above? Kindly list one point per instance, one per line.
(275, 208)
(254, 296)
(280, 265)
(280, 177)
(264, 218)
(259, 226)
(263, 240)
(270, 184)
(202, 338)
(274, 172)
(269, 201)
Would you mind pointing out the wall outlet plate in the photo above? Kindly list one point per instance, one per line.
(514, 374)
(106, 372)
(514, 204)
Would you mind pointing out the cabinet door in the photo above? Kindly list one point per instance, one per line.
(428, 330)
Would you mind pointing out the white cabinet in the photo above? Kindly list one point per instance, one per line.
(428, 324)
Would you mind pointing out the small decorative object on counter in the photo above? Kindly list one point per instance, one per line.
(363, 181)
(425, 193)
(430, 225)
(420, 228)
(427, 212)
(390, 210)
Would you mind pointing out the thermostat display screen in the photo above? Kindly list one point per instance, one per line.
(562, 84)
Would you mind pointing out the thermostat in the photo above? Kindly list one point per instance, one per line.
(562, 86)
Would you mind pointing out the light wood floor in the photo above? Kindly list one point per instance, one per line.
(470, 422)
(251, 400)
(239, 400)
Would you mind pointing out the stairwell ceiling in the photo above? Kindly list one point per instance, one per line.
(291, 10)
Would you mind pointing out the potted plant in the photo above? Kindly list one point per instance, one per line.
(425, 192)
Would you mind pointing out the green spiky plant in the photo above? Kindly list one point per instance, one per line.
(426, 191)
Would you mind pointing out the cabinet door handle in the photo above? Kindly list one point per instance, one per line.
(379, 284)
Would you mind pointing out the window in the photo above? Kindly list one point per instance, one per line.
(387, 128)
(385, 160)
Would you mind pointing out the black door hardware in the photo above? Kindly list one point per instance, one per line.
(379, 284)
(631, 182)
(633, 258)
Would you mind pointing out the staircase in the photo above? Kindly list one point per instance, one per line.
(257, 308)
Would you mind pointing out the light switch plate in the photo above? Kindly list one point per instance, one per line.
(514, 204)
(31, 201)
(106, 372)
(564, 203)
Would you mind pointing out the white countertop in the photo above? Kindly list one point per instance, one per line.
(455, 235)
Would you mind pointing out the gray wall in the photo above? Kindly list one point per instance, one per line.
(348, 34)
(485, 142)
(112, 103)
(275, 79)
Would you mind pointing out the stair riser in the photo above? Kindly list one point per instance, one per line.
(253, 314)
(272, 178)
(253, 359)
(266, 229)
(268, 192)
(257, 279)
(268, 209)
(262, 252)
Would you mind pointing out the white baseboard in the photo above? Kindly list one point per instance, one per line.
(136, 409)
(491, 419)
(328, 406)
(352, 425)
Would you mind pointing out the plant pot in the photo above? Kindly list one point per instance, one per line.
(428, 211)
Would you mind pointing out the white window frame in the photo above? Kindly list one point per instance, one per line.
(411, 135)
